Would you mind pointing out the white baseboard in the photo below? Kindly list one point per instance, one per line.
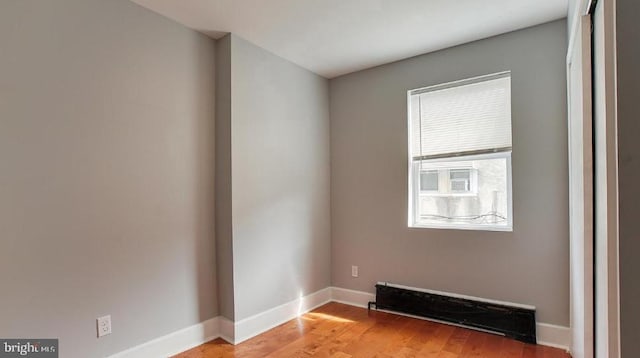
(351, 297)
(264, 321)
(221, 327)
(227, 331)
(176, 342)
(237, 332)
(554, 336)
(547, 334)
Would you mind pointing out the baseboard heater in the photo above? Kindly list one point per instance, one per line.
(514, 321)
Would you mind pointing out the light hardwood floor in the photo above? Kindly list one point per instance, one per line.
(342, 331)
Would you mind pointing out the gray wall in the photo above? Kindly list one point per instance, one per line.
(279, 180)
(224, 238)
(628, 87)
(369, 178)
(106, 172)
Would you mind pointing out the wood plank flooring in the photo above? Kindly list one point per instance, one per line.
(343, 331)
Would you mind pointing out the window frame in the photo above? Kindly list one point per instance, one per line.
(414, 192)
(413, 173)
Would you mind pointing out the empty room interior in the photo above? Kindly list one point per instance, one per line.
(329, 178)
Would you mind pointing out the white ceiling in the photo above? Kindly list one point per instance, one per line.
(335, 37)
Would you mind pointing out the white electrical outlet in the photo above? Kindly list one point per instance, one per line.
(354, 271)
(104, 325)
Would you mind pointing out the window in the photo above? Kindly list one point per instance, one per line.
(460, 180)
(460, 154)
(429, 181)
(454, 179)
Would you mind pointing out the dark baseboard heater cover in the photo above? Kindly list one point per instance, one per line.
(514, 322)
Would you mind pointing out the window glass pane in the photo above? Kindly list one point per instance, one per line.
(486, 205)
(460, 174)
(460, 180)
(429, 180)
(459, 185)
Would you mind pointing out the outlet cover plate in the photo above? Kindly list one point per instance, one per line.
(104, 325)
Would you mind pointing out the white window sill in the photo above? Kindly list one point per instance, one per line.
(502, 228)
(448, 195)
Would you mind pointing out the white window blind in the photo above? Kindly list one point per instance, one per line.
(462, 118)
